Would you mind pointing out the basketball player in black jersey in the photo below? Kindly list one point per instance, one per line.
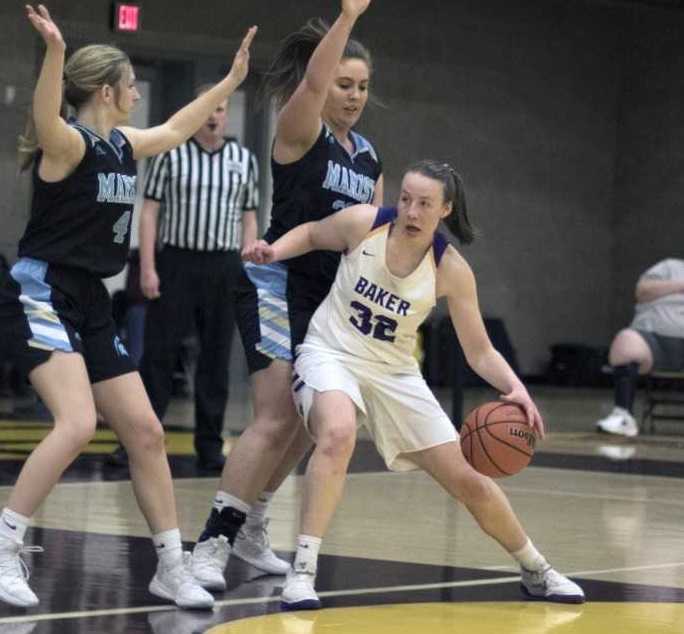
(320, 165)
(55, 314)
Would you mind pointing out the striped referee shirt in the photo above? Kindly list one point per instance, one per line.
(204, 194)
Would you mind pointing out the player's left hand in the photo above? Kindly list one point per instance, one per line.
(520, 396)
(240, 67)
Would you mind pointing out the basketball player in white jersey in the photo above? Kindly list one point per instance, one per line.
(357, 365)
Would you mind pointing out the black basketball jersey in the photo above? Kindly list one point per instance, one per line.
(84, 220)
(326, 179)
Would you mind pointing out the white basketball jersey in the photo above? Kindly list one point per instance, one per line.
(370, 314)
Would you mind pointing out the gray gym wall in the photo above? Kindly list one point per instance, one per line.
(563, 116)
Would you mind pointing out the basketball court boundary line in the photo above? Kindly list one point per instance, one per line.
(328, 593)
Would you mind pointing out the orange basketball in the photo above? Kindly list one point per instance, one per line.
(496, 439)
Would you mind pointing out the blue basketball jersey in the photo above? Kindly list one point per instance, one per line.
(84, 220)
(326, 179)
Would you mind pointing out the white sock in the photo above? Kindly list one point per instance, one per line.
(12, 525)
(169, 547)
(306, 559)
(530, 558)
(257, 514)
(223, 499)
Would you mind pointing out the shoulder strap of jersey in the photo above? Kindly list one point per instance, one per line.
(439, 245)
(384, 216)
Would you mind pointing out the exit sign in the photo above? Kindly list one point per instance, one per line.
(126, 17)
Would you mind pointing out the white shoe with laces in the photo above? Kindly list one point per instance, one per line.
(209, 561)
(176, 583)
(252, 545)
(14, 574)
(298, 592)
(550, 585)
(619, 422)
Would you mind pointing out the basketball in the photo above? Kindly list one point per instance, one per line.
(496, 439)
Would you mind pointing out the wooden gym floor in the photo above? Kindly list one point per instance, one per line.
(400, 558)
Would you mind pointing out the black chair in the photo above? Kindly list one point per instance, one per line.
(663, 389)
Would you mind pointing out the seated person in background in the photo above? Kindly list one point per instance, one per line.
(654, 340)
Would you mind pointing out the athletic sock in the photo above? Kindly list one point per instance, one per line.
(169, 547)
(226, 518)
(626, 378)
(306, 558)
(530, 558)
(13, 525)
(257, 514)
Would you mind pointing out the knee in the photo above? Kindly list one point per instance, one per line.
(274, 431)
(149, 435)
(625, 348)
(474, 489)
(78, 430)
(337, 439)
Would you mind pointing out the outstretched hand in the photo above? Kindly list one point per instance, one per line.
(259, 252)
(520, 396)
(354, 8)
(240, 67)
(43, 23)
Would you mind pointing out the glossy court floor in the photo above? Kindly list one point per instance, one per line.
(401, 558)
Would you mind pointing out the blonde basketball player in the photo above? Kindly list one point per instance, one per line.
(356, 365)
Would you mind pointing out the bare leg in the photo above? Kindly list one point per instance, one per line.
(62, 383)
(126, 407)
(333, 424)
(261, 447)
(480, 494)
(301, 443)
(629, 346)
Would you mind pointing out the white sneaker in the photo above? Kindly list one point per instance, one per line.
(177, 584)
(549, 585)
(14, 574)
(619, 422)
(252, 545)
(209, 561)
(298, 592)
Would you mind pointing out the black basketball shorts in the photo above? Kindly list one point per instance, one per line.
(44, 308)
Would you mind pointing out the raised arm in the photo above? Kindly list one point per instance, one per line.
(62, 146)
(299, 121)
(184, 123)
(456, 281)
(340, 232)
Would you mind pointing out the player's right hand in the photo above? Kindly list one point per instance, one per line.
(259, 252)
(43, 23)
(149, 284)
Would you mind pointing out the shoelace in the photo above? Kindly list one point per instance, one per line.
(9, 565)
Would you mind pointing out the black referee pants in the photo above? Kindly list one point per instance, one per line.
(197, 288)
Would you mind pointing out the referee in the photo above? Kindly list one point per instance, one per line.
(209, 190)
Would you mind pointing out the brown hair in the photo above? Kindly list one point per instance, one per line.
(454, 192)
(289, 64)
(88, 69)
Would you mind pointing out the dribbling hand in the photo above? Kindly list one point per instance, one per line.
(240, 67)
(43, 23)
(520, 396)
(259, 252)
